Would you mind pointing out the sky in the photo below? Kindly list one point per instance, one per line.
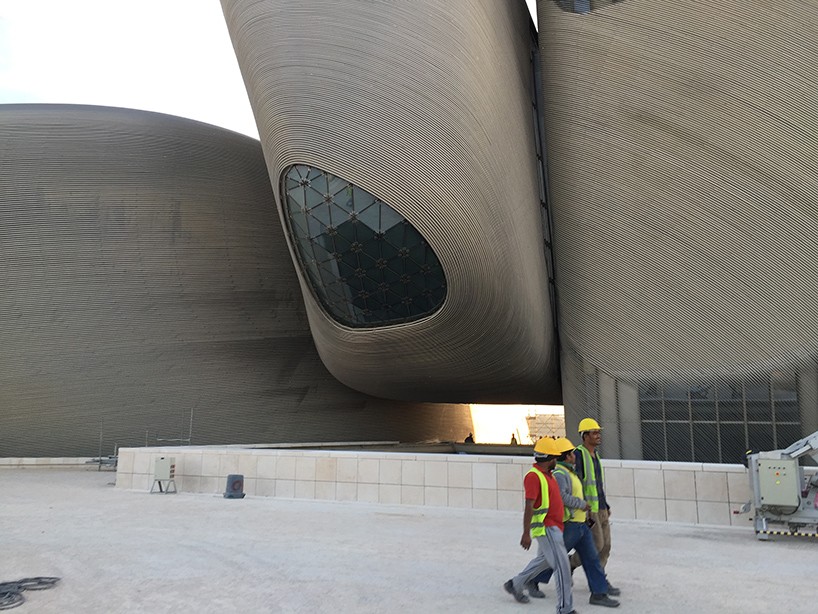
(168, 56)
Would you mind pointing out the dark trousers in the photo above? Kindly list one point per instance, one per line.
(578, 535)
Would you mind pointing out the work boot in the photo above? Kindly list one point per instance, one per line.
(604, 600)
(534, 590)
(518, 595)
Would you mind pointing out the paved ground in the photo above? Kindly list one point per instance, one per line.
(122, 551)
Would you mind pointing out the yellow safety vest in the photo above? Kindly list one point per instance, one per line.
(537, 525)
(572, 515)
(590, 481)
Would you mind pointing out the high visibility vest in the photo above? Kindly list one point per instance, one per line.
(572, 515)
(537, 525)
(589, 482)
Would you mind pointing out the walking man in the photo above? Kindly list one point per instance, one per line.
(589, 470)
(543, 521)
(576, 533)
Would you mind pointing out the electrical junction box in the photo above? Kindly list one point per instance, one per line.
(165, 468)
(778, 483)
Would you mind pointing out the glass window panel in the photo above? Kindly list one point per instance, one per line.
(389, 218)
(760, 437)
(370, 217)
(675, 392)
(705, 443)
(314, 198)
(729, 391)
(757, 391)
(733, 445)
(787, 434)
(759, 410)
(677, 410)
(787, 411)
(653, 441)
(651, 409)
(649, 391)
(354, 263)
(785, 386)
(678, 442)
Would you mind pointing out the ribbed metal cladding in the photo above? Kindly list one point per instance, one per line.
(683, 165)
(143, 276)
(425, 105)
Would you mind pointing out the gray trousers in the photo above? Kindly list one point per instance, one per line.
(550, 554)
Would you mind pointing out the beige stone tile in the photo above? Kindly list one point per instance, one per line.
(712, 512)
(412, 472)
(460, 475)
(141, 481)
(210, 464)
(248, 465)
(741, 520)
(711, 486)
(305, 468)
(411, 495)
(389, 493)
(285, 468)
(679, 466)
(211, 485)
(368, 493)
(189, 483)
(124, 480)
(622, 507)
(348, 470)
(369, 471)
(304, 489)
(347, 491)
(459, 497)
(228, 464)
(325, 469)
(390, 471)
(192, 464)
(325, 490)
(265, 487)
(619, 482)
(681, 511)
(484, 475)
(124, 462)
(435, 496)
(680, 485)
(250, 487)
(266, 467)
(508, 477)
(142, 463)
(435, 473)
(484, 499)
(285, 489)
(648, 483)
(510, 501)
(738, 488)
(650, 509)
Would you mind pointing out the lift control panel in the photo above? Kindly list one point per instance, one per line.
(778, 483)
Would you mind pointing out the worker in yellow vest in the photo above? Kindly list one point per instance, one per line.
(577, 534)
(589, 469)
(543, 517)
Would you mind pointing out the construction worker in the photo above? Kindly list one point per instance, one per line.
(577, 534)
(543, 520)
(589, 469)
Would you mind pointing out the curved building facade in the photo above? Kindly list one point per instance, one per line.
(148, 295)
(683, 173)
(426, 110)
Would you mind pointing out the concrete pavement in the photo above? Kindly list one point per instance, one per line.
(127, 552)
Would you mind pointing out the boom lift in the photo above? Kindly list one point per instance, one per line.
(782, 495)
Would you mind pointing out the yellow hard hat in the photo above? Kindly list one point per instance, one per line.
(588, 424)
(563, 445)
(546, 447)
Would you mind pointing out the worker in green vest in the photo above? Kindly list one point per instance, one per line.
(543, 518)
(577, 534)
(589, 469)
